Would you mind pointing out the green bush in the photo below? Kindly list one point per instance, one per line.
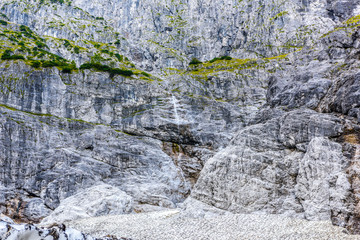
(221, 58)
(12, 57)
(119, 71)
(117, 42)
(35, 64)
(225, 58)
(105, 68)
(4, 16)
(119, 57)
(67, 43)
(77, 50)
(27, 31)
(7, 56)
(214, 60)
(86, 66)
(12, 38)
(194, 61)
(40, 44)
(23, 28)
(99, 18)
(145, 74)
(67, 69)
(2, 22)
(98, 66)
(52, 63)
(57, 1)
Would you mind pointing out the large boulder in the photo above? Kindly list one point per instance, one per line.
(95, 201)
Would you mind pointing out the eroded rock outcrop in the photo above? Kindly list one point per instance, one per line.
(96, 201)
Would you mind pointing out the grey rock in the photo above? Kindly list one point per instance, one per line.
(96, 201)
(10, 230)
(262, 171)
(322, 184)
(274, 130)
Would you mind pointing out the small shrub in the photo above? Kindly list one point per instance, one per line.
(35, 64)
(105, 51)
(52, 63)
(226, 58)
(117, 42)
(214, 60)
(99, 18)
(24, 28)
(57, 1)
(146, 74)
(67, 69)
(67, 43)
(12, 57)
(119, 71)
(27, 31)
(221, 58)
(97, 66)
(86, 66)
(7, 56)
(40, 44)
(2, 22)
(12, 38)
(77, 50)
(105, 68)
(194, 61)
(4, 16)
(119, 57)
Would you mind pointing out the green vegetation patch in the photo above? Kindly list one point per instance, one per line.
(7, 55)
(221, 58)
(105, 68)
(195, 61)
(57, 1)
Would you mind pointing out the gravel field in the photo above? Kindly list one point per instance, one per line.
(172, 225)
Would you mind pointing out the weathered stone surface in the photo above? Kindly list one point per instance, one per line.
(9, 230)
(275, 129)
(64, 156)
(96, 201)
(264, 168)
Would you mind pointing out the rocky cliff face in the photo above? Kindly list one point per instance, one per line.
(102, 92)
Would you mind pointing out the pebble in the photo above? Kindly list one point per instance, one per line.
(173, 225)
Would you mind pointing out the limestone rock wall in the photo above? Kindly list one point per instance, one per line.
(272, 126)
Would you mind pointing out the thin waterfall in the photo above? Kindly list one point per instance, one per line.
(175, 107)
